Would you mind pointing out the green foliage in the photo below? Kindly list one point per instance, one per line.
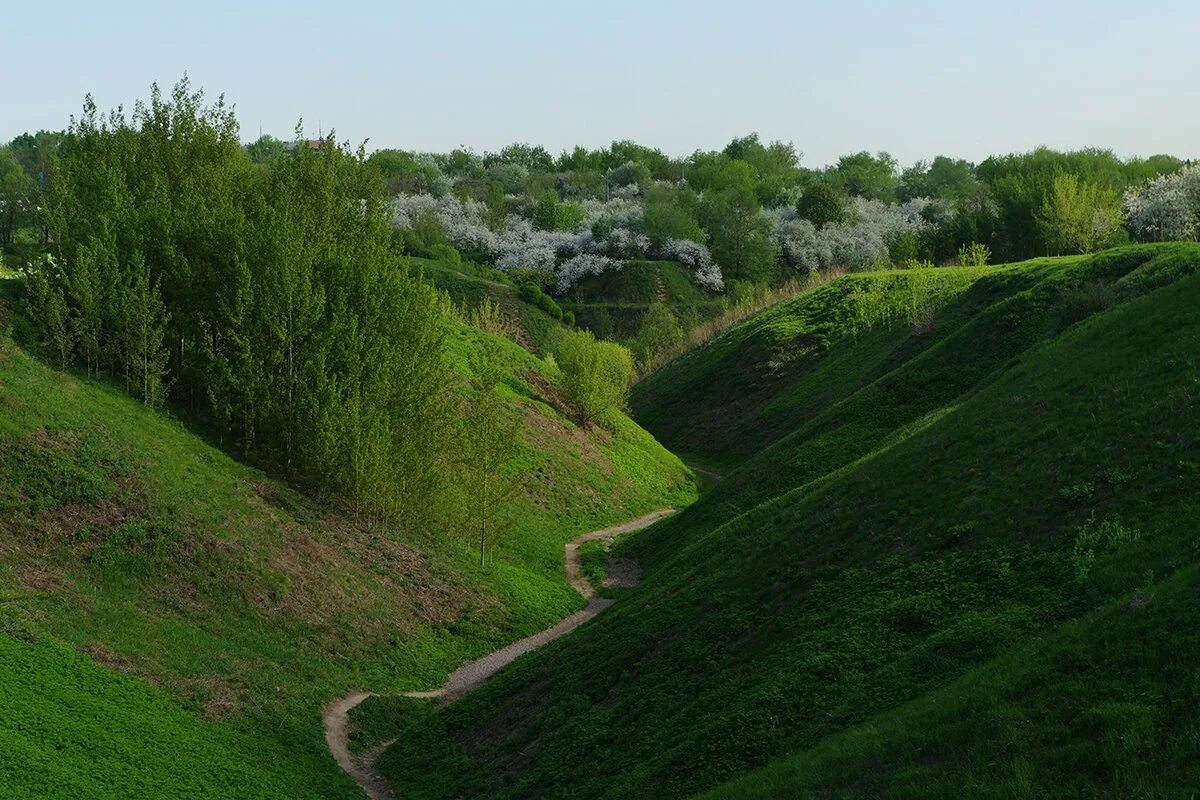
(551, 214)
(659, 332)
(866, 175)
(821, 204)
(737, 233)
(670, 214)
(1094, 539)
(1079, 216)
(596, 374)
(47, 306)
(531, 293)
(489, 445)
(268, 302)
(974, 255)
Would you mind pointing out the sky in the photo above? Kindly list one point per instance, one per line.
(918, 78)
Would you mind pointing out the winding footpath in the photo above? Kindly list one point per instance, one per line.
(622, 572)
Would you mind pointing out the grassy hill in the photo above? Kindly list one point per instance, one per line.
(172, 621)
(469, 286)
(966, 568)
(612, 304)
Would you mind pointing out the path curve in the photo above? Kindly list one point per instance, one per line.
(336, 715)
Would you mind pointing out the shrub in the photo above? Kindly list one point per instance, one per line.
(660, 331)
(443, 251)
(1091, 298)
(974, 255)
(821, 204)
(596, 374)
(531, 293)
(1094, 539)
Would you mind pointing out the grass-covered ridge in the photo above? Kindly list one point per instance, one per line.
(250, 605)
(614, 304)
(964, 596)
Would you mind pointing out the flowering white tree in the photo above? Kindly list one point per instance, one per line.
(569, 272)
(1166, 208)
(860, 241)
(696, 257)
(608, 232)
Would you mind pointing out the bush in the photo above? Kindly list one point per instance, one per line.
(596, 374)
(1088, 299)
(531, 293)
(821, 204)
(1096, 538)
(974, 255)
(442, 251)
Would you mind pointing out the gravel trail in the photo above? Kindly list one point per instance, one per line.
(622, 572)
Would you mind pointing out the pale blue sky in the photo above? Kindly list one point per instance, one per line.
(916, 78)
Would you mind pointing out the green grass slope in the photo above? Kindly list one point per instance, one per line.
(966, 597)
(125, 537)
(469, 286)
(613, 304)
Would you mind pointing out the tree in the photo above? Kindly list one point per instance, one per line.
(821, 204)
(659, 332)
(945, 178)
(86, 290)
(265, 149)
(488, 447)
(266, 298)
(737, 232)
(1167, 207)
(865, 175)
(667, 214)
(15, 187)
(1078, 216)
(596, 374)
(47, 306)
(142, 335)
(974, 255)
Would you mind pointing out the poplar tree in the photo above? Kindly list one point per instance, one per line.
(489, 445)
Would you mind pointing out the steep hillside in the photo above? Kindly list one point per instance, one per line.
(220, 609)
(951, 574)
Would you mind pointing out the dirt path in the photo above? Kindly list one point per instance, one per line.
(622, 572)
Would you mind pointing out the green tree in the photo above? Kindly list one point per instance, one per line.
(489, 445)
(1079, 216)
(668, 214)
(47, 306)
(659, 331)
(866, 175)
(737, 232)
(86, 291)
(596, 374)
(15, 187)
(821, 204)
(143, 334)
(974, 255)
(551, 214)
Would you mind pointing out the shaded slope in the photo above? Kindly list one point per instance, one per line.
(959, 537)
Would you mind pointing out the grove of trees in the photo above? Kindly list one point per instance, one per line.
(263, 298)
(751, 213)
